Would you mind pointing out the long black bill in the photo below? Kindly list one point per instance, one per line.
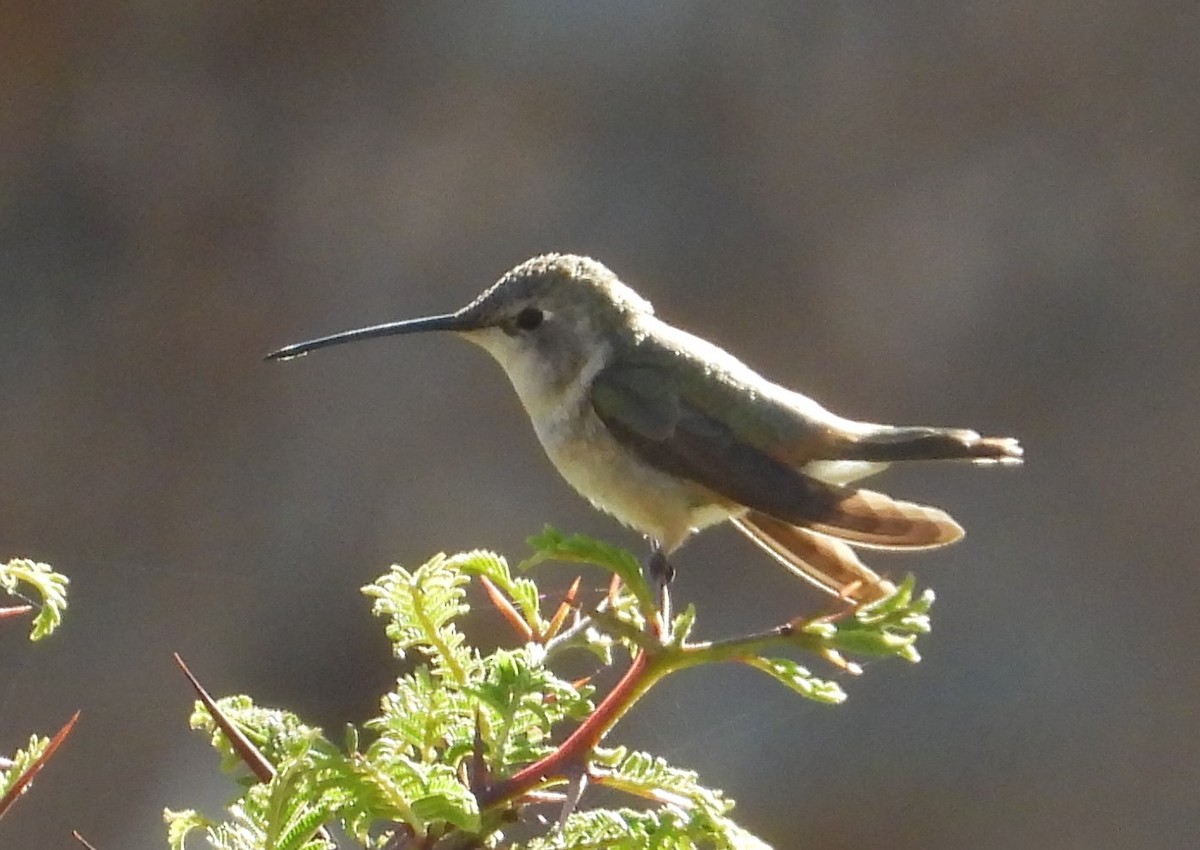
(447, 322)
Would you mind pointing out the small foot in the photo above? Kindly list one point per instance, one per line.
(659, 569)
(661, 573)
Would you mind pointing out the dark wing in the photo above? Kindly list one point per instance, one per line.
(650, 416)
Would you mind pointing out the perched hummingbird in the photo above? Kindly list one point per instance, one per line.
(670, 434)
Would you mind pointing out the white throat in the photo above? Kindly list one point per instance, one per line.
(546, 397)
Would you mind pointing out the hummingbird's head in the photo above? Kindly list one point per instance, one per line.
(544, 322)
(546, 319)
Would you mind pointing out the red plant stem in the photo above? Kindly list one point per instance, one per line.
(573, 752)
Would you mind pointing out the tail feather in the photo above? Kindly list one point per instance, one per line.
(829, 564)
(888, 444)
(867, 518)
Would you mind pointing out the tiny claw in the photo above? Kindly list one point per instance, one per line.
(661, 573)
(660, 570)
(663, 625)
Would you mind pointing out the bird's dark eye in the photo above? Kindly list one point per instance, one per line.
(529, 318)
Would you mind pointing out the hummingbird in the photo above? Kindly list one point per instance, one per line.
(670, 434)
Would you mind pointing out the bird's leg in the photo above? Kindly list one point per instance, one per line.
(659, 569)
(660, 573)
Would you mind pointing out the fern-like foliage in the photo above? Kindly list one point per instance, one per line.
(522, 591)
(49, 585)
(21, 762)
(421, 607)
(552, 545)
(522, 700)
(17, 772)
(798, 678)
(889, 626)
(467, 744)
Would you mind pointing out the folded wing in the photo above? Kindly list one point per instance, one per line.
(652, 418)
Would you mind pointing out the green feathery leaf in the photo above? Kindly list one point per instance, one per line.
(422, 607)
(181, 823)
(798, 678)
(495, 568)
(887, 627)
(552, 545)
(49, 585)
(524, 700)
(21, 761)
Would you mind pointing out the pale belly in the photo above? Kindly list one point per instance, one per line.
(608, 475)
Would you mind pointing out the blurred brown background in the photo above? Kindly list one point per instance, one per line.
(967, 213)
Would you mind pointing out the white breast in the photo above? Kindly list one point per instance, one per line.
(609, 475)
(580, 446)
